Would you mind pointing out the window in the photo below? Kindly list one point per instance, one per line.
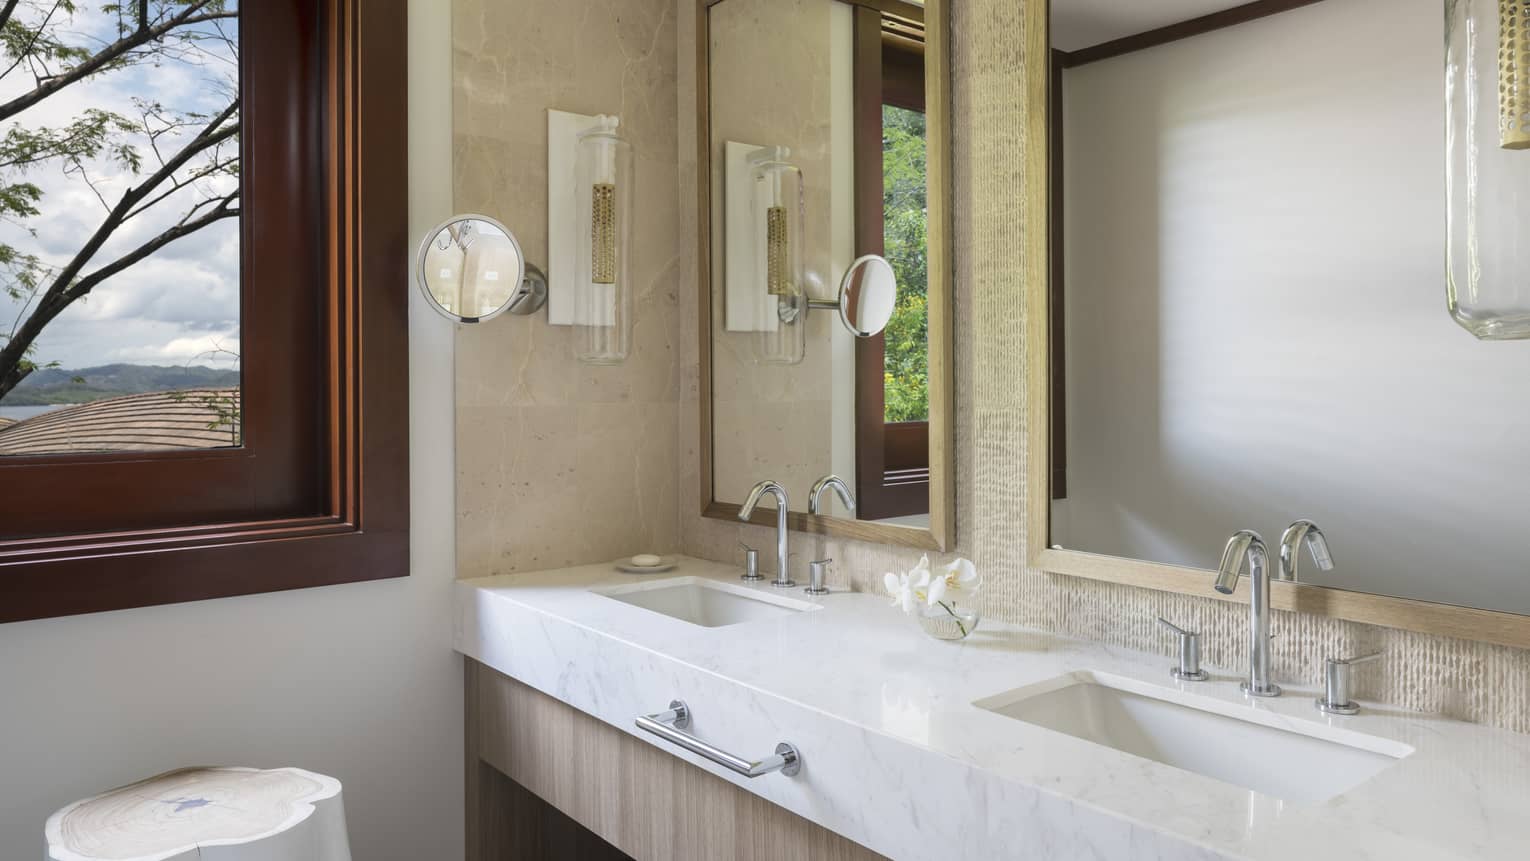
(119, 228)
(203, 241)
(892, 369)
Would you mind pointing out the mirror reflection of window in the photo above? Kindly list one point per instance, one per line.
(892, 409)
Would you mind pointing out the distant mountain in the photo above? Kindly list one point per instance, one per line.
(60, 386)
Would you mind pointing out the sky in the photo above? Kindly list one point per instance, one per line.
(180, 306)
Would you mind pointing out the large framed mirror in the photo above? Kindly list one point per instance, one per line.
(825, 317)
(1245, 323)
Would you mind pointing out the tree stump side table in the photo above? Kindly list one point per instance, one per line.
(208, 814)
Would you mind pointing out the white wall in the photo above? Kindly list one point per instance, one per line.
(357, 681)
(1256, 311)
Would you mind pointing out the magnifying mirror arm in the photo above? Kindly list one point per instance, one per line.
(532, 295)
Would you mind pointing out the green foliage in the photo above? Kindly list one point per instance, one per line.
(905, 216)
(223, 405)
(22, 37)
(94, 134)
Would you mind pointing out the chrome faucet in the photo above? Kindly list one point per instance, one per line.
(1247, 545)
(840, 488)
(1298, 533)
(783, 580)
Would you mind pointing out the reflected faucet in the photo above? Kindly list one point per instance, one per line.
(1246, 545)
(1303, 531)
(782, 580)
(840, 488)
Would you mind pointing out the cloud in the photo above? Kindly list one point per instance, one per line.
(220, 350)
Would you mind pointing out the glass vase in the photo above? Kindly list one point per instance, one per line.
(947, 620)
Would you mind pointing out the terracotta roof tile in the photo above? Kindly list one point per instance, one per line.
(145, 422)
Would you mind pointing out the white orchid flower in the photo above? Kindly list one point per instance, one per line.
(960, 578)
(909, 588)
(923, 568)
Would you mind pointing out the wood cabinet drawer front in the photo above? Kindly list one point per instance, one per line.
(640, 799)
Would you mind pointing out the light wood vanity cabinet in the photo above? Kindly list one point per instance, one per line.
(545, 780)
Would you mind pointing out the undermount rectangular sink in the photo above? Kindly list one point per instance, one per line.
(1287, 759)
(708, 603)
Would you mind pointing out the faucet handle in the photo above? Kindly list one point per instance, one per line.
(1189, 669)
(1335, 699)
(751, 563)
(817, 574)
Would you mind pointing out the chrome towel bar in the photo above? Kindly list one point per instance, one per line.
(669, 723)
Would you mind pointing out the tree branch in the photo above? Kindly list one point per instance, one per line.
(63, 290)
(13, 379)
(223, 210)
(26, 53)
(108, 55)
(5, 14)
(15, 349)
(211, 170)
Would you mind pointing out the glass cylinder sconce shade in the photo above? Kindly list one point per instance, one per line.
(1487, 146)
(778, 210)
(603, 303)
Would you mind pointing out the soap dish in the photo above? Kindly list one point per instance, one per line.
(666, 563)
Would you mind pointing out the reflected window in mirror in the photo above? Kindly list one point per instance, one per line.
(892, 371)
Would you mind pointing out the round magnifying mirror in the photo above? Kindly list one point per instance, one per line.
(471, 268)
(867, 295)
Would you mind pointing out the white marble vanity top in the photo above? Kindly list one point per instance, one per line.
(896, 756)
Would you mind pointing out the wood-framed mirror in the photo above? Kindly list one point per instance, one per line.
(824, 134)
(1241, 318)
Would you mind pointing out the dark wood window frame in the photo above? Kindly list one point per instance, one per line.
(318, 494)
(892, 459)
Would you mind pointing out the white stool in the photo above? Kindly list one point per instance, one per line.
(209, 814)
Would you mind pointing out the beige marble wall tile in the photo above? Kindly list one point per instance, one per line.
(772, 87)
(1463, 679)
(561, 463)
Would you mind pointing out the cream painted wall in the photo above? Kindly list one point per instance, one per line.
(357, 681)
(990, 105)
(561, 463)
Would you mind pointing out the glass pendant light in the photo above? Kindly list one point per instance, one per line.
(778, 209)
(1487, 146)
(603, 304)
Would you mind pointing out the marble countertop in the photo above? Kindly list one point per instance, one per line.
(896, 756)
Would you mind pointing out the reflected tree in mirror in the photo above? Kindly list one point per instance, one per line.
(120, 144)
(905, 226)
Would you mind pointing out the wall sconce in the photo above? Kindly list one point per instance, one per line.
(764, 278)
(589, 217)
(1487, 151)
